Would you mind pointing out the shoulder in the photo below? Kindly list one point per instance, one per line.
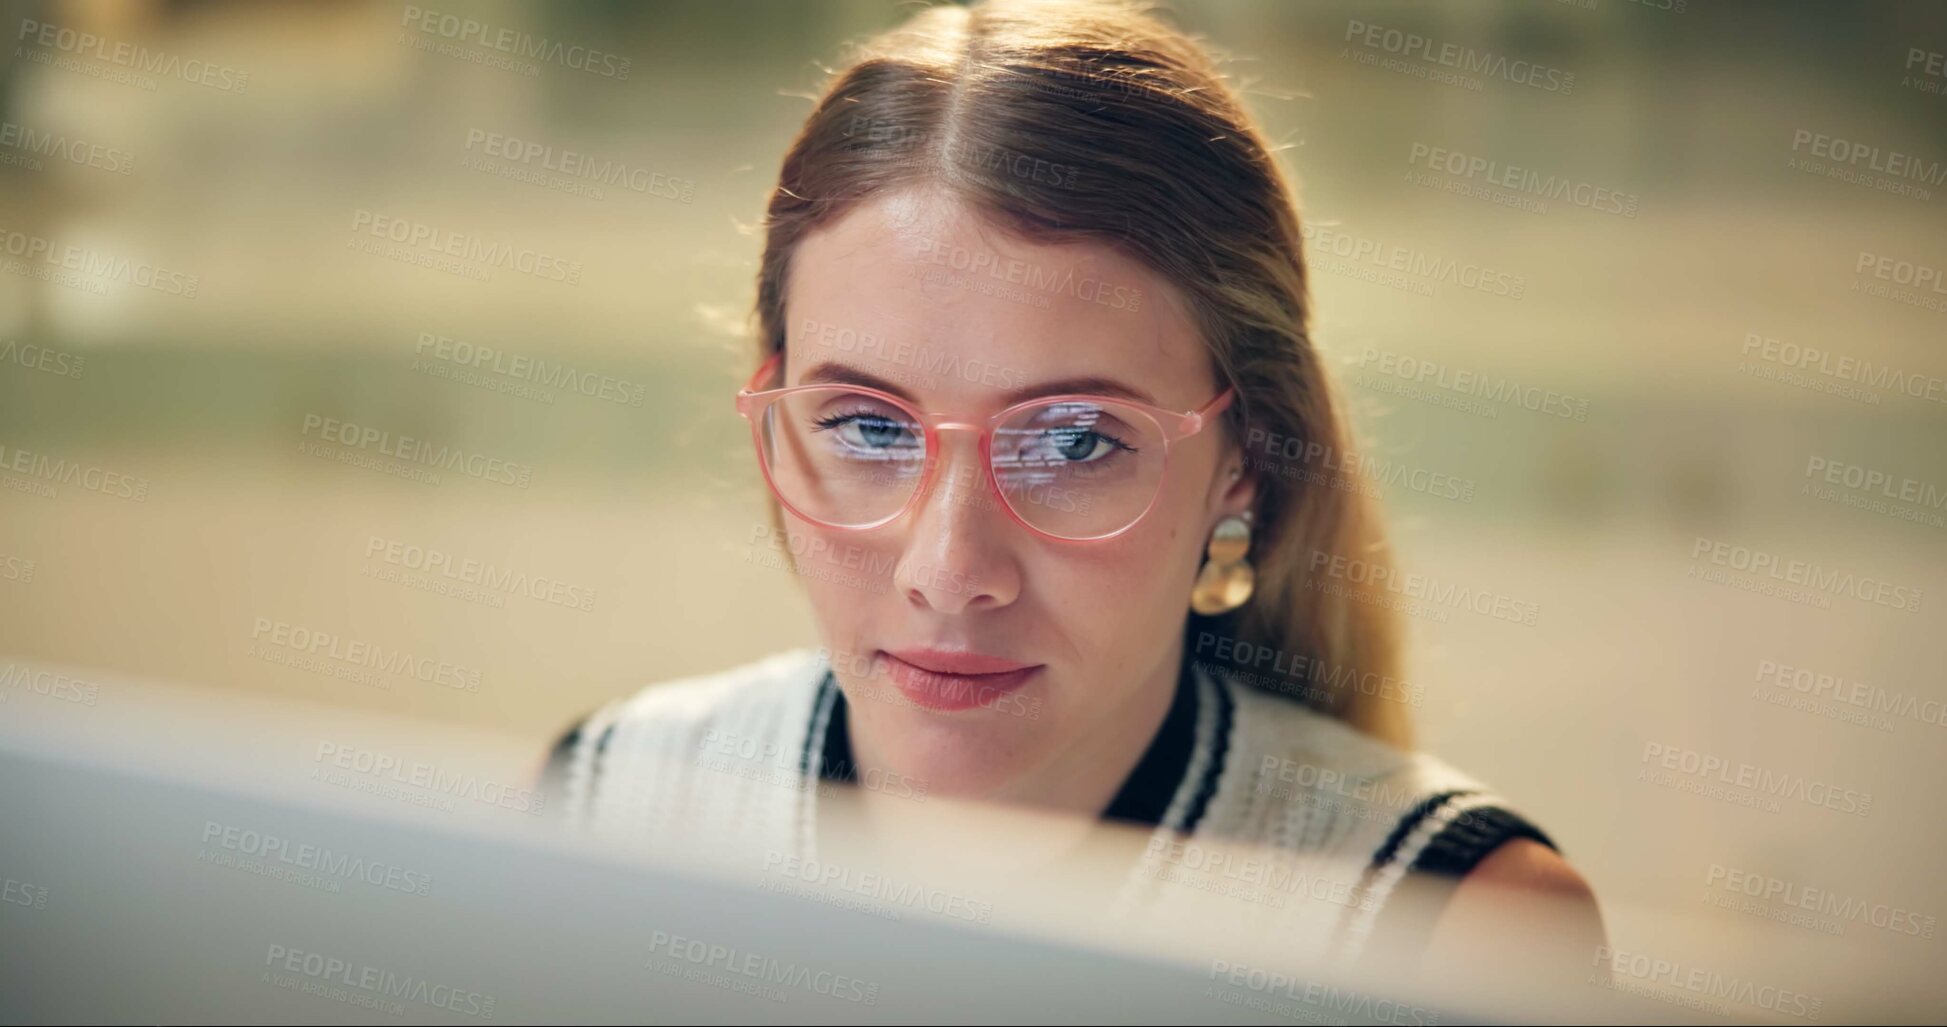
(1526, 865)
(1428, 844)
(1526, 904)
(758, 708)
(1401, 805)
(1306, 770)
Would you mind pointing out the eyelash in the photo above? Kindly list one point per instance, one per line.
(1111, 440)
(830, 421)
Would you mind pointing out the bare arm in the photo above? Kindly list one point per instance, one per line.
(1523, 916)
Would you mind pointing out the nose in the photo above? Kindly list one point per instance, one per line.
(957, 553)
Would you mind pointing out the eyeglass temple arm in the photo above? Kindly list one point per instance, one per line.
(750, 389)
(1197, 420)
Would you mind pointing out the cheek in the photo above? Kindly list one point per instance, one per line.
(1172, 539)
(842, 575)
(1128, 594)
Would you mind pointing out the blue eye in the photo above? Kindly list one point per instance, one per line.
(1080, 445)
(865, 431)
(1074, 436)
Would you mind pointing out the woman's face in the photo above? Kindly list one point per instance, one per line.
(974, 653)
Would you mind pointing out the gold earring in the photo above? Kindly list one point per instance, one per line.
(1226, 581)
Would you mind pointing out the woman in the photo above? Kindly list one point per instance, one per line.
(1036, 397)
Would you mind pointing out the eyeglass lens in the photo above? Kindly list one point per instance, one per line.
(1073, 469)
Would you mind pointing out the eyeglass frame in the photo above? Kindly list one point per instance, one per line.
(1173, 425)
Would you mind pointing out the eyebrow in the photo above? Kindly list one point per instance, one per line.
(831, 373)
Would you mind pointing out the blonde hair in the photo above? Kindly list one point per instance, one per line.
(1131, 138)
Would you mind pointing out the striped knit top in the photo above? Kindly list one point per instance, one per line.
(743, 755)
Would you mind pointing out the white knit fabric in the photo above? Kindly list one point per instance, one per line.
(1302, 805)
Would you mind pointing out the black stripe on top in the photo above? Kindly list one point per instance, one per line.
(1219, 753)
(835, 762)
(1426, 808)
(828, 694)
(1146, 793)
(1473, 835)
(564, 747)
(1388, 851)
(1406, 922)
(553, 781)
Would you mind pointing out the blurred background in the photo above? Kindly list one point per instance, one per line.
(1739, 294)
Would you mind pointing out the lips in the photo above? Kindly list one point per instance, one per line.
(939, 679)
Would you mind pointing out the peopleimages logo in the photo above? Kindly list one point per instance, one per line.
(65, 472)
(1527, 181)
(955, 150)
(22, 893)
(751, 758)
(538, 156)
(343, 866)
(521, 369)
(448, 785)
(863, 669)
(1426, 589)
(1707, 983)
(761, 968)
(332, 970)
(1900, 272)
(16, 568)
(1461, 58)
(1474, 383)
(1295, 667)
(889, 892)
(1408, 261)
(137, 58)
(1865, 697)
(1028, 275)
(1328, 462)
(1706, 769)
(37, 250)
(298, 638)
(1341, 1001)
(932, 361)
(1811, 576)
(42, 358)
(439, 248)
(515, 42)
(1912, 283)
(1877, 482)
(1926, 71)
(1842, 369)
(48, 683)
(419, 451)
(1247, 873)
(57, 147)
(1821, 901)
(1871, 158)
(469, 571)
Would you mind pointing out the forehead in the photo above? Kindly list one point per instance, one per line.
(920, 289)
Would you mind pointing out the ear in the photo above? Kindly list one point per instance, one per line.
(1234, 489)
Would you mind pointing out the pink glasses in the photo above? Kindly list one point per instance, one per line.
(1074, 468)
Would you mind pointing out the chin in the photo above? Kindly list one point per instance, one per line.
(968, 753)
